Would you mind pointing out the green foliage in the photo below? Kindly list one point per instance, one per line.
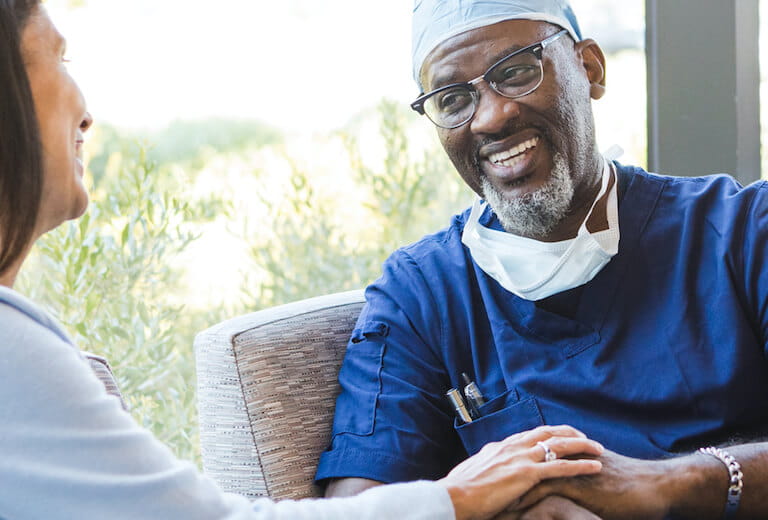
(189, 143)
(408, 196)
(307, 252)
(113, 278)
(316, 247)
(192, 142)
(109, 278)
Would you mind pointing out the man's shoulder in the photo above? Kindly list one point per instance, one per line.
(439, 246)
(719, 188)
(716, 181)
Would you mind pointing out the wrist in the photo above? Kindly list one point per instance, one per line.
(459, 499)
(697, 487)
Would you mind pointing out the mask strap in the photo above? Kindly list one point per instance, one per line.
(606, 176)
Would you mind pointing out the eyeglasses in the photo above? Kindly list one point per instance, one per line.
(513, 76)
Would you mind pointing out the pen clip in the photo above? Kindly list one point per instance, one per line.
(454, 396)
(475, 399)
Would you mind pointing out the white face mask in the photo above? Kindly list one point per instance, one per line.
(534, 270)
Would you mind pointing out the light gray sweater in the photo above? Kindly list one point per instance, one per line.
(69, 451)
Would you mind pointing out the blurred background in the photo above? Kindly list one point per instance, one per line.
(247, 154)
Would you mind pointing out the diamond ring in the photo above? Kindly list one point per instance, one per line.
(549, 455)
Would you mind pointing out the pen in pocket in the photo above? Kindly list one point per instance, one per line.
(475, 399)
(454, 396)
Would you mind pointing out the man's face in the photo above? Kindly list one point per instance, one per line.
(533, 158)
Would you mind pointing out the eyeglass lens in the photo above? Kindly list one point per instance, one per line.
(516, 76)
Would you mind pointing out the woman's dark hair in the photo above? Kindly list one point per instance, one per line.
(21, 162)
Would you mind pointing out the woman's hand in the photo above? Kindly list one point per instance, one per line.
(501, 472)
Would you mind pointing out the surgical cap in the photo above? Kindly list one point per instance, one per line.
(435, 21)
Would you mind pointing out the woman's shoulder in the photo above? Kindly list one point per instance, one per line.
(19, 314)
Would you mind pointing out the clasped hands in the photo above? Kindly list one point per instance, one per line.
(552, 473)
(625, 488)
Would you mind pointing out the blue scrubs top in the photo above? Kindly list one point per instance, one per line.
(663, 351)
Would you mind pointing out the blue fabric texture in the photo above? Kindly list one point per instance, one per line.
(662, 352)
(435, 21)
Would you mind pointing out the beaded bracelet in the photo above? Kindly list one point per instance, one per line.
(735, 478)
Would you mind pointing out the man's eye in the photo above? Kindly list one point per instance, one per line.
(453, 100)
(517, 73)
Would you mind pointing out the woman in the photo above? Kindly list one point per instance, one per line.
(67, 449)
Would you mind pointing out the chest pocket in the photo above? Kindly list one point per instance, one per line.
(360, 376)
(500, 418)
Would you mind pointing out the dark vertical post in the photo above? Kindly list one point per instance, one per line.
(703, 87)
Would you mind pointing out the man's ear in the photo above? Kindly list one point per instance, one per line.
(593, 59)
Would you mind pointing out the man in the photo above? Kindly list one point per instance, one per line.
(629, 305)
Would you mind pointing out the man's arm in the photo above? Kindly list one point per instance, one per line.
(692, 486)
(346, 487)
(392, 421)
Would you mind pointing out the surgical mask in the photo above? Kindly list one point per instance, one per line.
(534, 270)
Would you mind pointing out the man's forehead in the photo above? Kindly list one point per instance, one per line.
(472, 52)
(436, 21)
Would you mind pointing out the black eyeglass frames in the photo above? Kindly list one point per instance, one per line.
(515, 75)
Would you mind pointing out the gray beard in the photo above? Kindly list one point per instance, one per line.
(537, 213)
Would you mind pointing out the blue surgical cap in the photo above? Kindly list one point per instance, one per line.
(435, 21)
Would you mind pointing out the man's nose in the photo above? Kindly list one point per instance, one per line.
(493, 112)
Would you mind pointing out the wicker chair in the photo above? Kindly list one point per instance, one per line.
(267, 385)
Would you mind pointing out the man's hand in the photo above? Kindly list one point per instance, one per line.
(691, 486)
(626, 488)
(551, 508)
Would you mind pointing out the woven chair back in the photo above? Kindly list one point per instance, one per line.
(267, 385)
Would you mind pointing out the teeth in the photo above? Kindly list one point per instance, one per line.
(513, 153)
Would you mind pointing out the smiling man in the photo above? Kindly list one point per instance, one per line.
(576, 290)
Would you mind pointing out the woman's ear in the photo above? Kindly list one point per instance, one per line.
(593, 60)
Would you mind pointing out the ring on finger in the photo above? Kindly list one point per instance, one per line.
(549, 455)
